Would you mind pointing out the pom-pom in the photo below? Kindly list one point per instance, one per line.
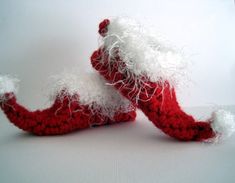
(223, 124)
(8, 86)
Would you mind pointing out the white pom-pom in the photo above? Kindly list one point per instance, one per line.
(223, 123)
(8, 84)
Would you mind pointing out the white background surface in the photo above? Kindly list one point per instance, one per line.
(41, 38)
(133, 152)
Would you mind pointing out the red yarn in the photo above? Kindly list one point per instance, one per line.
(62, 117)
(103, 27)
(162, 108)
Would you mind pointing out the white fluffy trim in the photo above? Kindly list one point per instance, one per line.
(8, 84)
(223, 123)
(144, 52)
(92, 90)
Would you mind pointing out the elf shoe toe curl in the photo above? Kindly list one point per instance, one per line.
(78, 103)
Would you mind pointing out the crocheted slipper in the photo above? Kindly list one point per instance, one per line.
(145, 70)
(78, 103)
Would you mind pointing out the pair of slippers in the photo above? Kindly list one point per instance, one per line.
(135, 69)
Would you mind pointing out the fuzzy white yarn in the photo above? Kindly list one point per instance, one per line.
(223, 123)
(8, 84)
(144, 52)
(91, 90)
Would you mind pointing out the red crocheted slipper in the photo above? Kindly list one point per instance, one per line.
(77, 104)
(145, 69)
